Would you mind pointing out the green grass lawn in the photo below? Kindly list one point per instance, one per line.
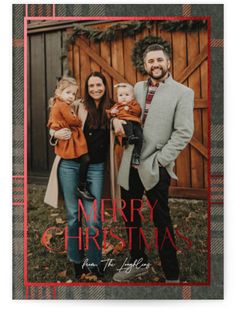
(189, 220)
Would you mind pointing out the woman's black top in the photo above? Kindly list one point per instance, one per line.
(97, 142)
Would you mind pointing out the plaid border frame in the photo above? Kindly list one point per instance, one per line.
(215, 290)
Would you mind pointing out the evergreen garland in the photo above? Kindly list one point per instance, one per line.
(130, 28)
(111, 33)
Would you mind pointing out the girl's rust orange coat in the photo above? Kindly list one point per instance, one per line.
(63, 116)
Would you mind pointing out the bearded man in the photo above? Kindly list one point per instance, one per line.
(167, 121)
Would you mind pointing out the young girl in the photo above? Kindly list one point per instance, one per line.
(63, 116)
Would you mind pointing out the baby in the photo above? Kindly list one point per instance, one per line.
(128, 109)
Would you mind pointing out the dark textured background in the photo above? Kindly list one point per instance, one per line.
(215, 290)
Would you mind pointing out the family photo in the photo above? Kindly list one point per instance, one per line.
(118, 151)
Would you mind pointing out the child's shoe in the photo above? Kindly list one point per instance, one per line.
(135, 159)
(83, 192)
(133, 140)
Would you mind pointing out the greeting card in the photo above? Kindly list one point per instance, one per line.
(118, 151)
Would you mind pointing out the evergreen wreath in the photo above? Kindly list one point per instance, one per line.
(140, 47)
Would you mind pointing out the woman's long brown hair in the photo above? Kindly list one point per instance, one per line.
(95, 119)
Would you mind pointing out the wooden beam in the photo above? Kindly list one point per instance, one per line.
(193, 66)
(39, 180)
(191, 193)
(198, 145)
(32, 24)
(100, 61)
(47, 29)
(35, 26)
(200, 103)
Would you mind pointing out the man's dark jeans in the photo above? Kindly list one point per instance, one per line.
(161, 219)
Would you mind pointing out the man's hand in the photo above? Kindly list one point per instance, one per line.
(63, 134)
(117, 125)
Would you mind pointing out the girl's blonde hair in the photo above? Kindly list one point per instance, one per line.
(62, 84)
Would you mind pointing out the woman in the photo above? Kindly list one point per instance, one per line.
(92, 112)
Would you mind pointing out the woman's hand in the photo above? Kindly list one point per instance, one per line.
(114, 111)
(117, 125)
(63, 134)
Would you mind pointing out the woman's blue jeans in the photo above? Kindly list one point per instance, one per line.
(68, 178)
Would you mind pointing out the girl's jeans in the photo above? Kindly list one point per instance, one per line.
(69, 179)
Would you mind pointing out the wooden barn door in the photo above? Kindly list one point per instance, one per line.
(189, 66)
(45, 64)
